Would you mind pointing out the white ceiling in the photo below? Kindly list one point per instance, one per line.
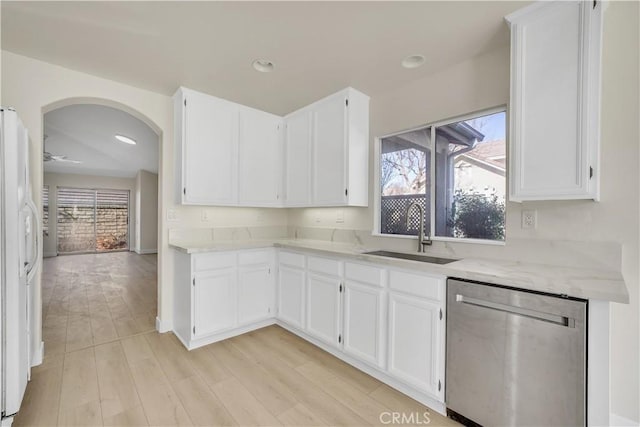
(86, 133)
(317, 47)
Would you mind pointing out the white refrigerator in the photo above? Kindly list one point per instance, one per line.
(20, 253)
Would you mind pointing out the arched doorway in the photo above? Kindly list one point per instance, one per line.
(108, 297)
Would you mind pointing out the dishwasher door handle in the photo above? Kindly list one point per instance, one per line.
(519, 311)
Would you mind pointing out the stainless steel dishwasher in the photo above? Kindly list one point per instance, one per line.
(514, 358)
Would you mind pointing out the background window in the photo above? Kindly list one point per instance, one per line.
(469, 164)
(45, 210)
(405, 179)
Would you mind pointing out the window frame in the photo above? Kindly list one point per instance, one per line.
(432, 186)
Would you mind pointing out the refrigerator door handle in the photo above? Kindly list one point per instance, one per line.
(34, 264)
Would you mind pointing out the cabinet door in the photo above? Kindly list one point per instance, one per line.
(210, 150)
(415, 349)
(323, 308)
(259, 158)
(329, 149)
(555, 102)
(291, 291)
(214, 301)
(363, 316)
(255, 293)
(298, 159)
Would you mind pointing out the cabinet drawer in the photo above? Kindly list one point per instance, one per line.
(254, 257)
(328, 266)
(291, 259)
(364, 273)
(417, 284)
(214, 261)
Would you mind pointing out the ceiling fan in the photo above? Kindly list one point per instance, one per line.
(48, 157)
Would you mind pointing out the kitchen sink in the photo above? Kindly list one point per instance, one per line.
(412, 257)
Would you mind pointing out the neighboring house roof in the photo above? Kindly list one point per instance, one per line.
(489, 155)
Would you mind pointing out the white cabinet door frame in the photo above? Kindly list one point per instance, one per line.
(415, 343)
(214, 302)
(324, 306)
(291, 296)
(330, 151)
(255, 293)
(259, 158)
(555, 101)
(298, 153)
(364, 322)
(210, 156)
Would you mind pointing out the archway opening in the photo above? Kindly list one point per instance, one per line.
(101, 166)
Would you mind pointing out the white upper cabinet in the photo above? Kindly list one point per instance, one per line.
(260, 158)
(341, 149)
(330, 151)
(297, 178)
(206, 145)
(555, 100)
(231, 155)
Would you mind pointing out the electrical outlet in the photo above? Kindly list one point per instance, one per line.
(340, 216)
(172, 215)
(529, 219)
(205, 215)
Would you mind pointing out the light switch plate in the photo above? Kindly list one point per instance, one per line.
(529, 219)
(340, 216)
(205, 215)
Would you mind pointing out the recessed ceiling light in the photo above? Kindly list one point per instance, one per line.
(413, 61)
(126, 139)
(263, 65)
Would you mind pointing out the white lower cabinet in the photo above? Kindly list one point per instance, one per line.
(212, 293)
(384, 321)
(291, 297)
(363, 322)
(255, 293)
(414, 342)
(222, 294)
(324, 307)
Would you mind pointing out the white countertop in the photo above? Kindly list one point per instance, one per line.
(575, 282)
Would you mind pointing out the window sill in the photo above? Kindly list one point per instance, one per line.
(444, 239)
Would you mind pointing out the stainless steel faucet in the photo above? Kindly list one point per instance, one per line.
(422, 239)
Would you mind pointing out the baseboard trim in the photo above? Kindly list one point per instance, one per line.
(49, 254)
(620, 421)
(162, 327)
(375, 372)
(196, 343)
(38, 355)
(145, 251)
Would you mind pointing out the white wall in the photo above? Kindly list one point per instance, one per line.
(146, 218)
(483, 82)
(55, 180)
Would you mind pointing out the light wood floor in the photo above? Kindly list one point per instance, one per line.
(105, 364)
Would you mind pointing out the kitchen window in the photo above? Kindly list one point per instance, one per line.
(460, 181)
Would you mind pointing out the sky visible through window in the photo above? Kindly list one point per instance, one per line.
(492, 126)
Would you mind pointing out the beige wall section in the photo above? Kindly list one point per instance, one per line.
(55, 180)
(483, 82)
(146, 219)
